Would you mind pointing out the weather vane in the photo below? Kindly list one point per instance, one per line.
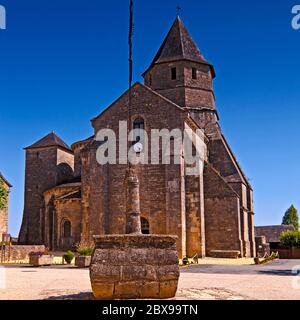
(178, 10)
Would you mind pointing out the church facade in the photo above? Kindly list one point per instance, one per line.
(69, 196)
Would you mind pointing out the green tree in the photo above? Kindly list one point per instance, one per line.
(291, 217)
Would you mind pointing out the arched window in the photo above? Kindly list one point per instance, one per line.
(139, 125)
(145, 226)
(66, 229)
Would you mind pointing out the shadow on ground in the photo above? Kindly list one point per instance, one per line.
(276, 268)
(280, 272)
(30, 268)
(77, 296)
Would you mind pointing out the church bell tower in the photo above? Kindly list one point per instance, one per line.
(180, 72)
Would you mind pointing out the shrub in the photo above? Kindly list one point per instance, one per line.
(85, 251)
(69, 256)
(290, 238)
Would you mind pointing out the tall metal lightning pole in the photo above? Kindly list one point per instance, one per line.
(130, 60)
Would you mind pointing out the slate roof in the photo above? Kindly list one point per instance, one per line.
(50, 140)
(179, 45)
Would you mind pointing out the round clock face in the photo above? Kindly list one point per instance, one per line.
(138, 147)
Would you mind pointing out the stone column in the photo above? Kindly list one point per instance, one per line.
(245, 233)
(133, 212)
(195, 223)
(251, 233)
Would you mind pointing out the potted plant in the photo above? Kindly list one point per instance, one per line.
(83, 260)
(69, 256)
(40, 259)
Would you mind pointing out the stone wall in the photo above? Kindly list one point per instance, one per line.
(222, 214)
(161, 186)
(68, 210)
(77, 148)
(4, 213)
(288, 253)
(195, 221)
(45, 167)
(40, 175)
(62, 203)
(225, 254)
(134, 267)
(17, 253)
(184, 91)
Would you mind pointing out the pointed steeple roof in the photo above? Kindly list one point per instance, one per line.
(178, 45)
(50, 140)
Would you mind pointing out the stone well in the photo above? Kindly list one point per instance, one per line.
(134, 266)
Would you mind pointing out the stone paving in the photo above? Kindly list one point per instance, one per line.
(199, 282)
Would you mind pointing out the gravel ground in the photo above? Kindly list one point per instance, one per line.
(202, 282)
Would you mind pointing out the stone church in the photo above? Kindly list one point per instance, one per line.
(69, 196)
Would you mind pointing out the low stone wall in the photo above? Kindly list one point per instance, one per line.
(225, 254)
(17, 253)
(289, 253)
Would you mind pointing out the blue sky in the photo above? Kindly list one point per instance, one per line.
(63, 61)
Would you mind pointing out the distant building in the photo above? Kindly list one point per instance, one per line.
(272, 233)
(4, 210)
